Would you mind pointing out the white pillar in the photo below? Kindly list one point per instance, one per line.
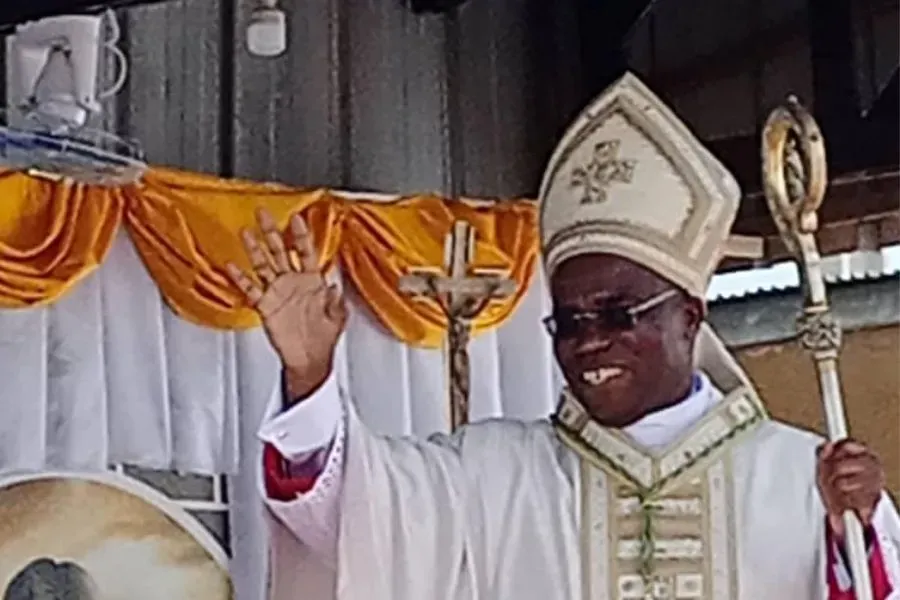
(868, 258)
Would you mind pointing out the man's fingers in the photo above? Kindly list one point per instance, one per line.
(850, 466)
(850, 447)
(262, 263)
(849, 485)
(334, 304)
(845, 472)
(865, 462)
(851, 479)
(266, 275)
(274, 241)
(248, 287)
(856, 473)
(303, 244)
(846, 452)
(860, 498)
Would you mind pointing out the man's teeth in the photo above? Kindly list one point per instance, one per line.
(601, 375)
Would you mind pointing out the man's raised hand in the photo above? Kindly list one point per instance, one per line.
(302, 315)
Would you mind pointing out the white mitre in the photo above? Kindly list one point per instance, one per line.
(630, 179)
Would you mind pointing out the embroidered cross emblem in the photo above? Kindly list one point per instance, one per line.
(601, 171)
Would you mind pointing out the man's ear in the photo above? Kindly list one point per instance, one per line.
(693, 311)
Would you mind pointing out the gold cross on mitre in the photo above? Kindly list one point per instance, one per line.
(462, 291)
(603, 169)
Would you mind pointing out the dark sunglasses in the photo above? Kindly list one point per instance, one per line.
(615, 318)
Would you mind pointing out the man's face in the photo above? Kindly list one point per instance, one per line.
(621, 368)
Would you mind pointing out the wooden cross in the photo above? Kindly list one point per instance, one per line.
(463, 292)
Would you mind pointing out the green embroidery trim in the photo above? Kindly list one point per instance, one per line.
(648, 496)
(648, 540)
(648, 493)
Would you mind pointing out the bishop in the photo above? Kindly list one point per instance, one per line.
(660, 476)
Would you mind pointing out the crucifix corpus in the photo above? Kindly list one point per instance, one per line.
(462, 291)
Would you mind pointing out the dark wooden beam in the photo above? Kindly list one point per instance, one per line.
(884, 109)
(863, 150)
(881, 126)
(868, 199)
(434, 6)
(16, 11)
(603, 28)
(851, 198)
(735, 56)
(833, 238)
(864, 184)
(836, 102)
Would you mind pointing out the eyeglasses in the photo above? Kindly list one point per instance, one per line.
(567, 323)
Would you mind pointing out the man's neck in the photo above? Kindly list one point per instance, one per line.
(660, 428)
(689, 386)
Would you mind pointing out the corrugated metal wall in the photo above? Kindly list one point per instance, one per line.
(786, 379)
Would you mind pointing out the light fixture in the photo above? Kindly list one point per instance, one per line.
(54, 63)
(267, 30)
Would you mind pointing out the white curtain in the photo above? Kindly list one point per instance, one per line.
(108, 374)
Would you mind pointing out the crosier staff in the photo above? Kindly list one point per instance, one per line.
(795, 178)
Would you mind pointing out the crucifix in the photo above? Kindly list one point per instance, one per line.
(463, 292)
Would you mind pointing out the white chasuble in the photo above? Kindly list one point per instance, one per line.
(660, 525)
(504, 510)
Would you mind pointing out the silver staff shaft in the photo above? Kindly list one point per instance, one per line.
(795, 178)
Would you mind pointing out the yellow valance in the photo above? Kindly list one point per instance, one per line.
(186, 227)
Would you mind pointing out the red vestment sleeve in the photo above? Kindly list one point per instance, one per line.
(280, 484)
(881, 585)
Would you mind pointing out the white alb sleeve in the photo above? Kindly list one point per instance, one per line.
(310, 436)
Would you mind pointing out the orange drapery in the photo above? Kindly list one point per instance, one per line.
(185, 227)
(51, 236)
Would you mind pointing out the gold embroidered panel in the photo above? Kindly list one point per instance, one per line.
(659, 526)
